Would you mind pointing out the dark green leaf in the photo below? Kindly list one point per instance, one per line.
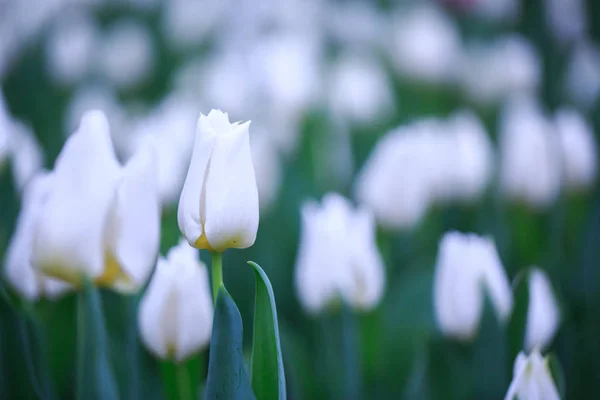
(268, 377)
(95, 378)
(227, 378)
(518, 319)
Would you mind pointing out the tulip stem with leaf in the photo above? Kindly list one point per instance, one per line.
(217, 273)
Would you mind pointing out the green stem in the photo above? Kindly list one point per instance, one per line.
(183, 382)
(217, 273)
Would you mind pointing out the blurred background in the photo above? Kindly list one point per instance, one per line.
(471, 115)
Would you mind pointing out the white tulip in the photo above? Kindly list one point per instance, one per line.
(532, 379)
(396, 181)
(176, 312)
(582, 79)
(267, 166)
(578, 147)
(19, 272)
(567, 19)
(338, 257)
(26, 153)
(467, 268)
(101, 221)
(529, 154)
(218, 207)
(543, 314)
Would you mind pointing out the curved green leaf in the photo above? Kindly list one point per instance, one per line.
(227, 378)
(95, 378)
(268, 377)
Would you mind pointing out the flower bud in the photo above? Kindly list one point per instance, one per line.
(467, 268)
(218, 207)
(532, 379)
(176, 312)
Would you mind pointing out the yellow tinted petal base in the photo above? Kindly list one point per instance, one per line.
(202, 243)
(114, 276)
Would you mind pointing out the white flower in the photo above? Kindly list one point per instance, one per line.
(567, 19)
(187, 22)
(218, 208)
(578, 149)
(396, 181)
(497, 10)
(492, 71)
(360, 89)
(26, 154)
(426, 44)
(337, 256)
(469, 156)
(356, 23)
(467, 268)
(176, 312)
(126, 57)
(70, 47)
(100, 221)
(532, 379)
(582, 79)
(19, 272)
(267, 166)
(529, 154)
(543, 314)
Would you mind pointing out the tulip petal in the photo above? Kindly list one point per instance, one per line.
(231, 193)
(133, 232)
(189, 215)
(70, 234)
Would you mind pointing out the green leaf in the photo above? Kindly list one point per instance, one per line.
(518, 319)
(95, 378)
(227, 378)
(268, 377)
(558, 375)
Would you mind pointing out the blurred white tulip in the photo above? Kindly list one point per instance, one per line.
(492, 71)
(360, 90)
(187, 23)
(338, 257)
(532, 379)
(19, 272)
(396, 181)
(578, 147)
(126, 56)
(26, 154)
(356, 23)
(468, 268)
(497, 10)
(425, 44)
(176, 312)
(582, 79)
(218, 207)
(529, 154)
(70, 47)
(268, 169)
(567, 19)
(543, 314)
(101, 221)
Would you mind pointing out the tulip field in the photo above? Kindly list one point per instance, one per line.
(299, 199)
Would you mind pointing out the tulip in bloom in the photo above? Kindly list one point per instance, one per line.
(218, 207)
(532, 379)
(176, 312)
(543, 314)
(19, 272)
(338, 257)
(467, 268)
(100, 221)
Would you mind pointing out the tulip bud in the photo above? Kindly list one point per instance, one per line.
(218, 207)
(543, 314)
(467, 267)
(532, 379)
(176, 312)
(101, 221)
(338, 257)
(19, 272)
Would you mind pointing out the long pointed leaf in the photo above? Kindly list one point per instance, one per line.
(227, 378)
(268, 377)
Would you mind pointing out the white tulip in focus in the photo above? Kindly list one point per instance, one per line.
(543, 314)
(532, 379)
(426, 44)
(218, 207)
(19, 272)
(360, 89)
(529, 154)
(578, 148)
(176, 312)
(101, 221)
(338, 257)
(396, 181)
(467, 268)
